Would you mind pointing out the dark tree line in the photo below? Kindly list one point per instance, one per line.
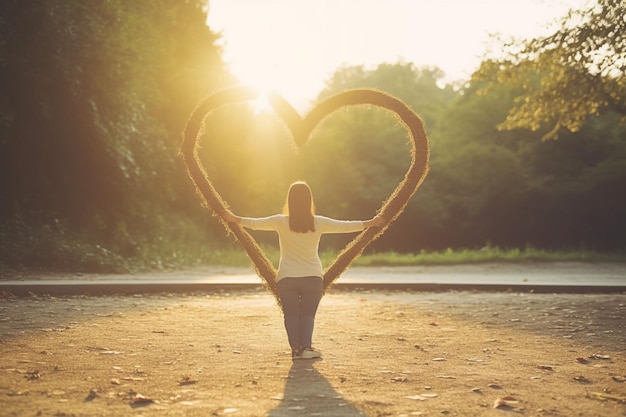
(486, 186)
(94, 96)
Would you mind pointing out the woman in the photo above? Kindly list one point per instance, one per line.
(299, 278)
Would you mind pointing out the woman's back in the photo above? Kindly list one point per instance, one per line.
(299, 251)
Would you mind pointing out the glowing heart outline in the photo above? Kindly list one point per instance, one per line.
(301, 129)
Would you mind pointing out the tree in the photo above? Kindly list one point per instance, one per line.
(578, 71)
(368, 148)
(94, 97)
(511, 189)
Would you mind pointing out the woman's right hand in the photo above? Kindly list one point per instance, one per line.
(229, 217)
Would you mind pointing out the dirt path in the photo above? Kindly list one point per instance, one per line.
(385, 354)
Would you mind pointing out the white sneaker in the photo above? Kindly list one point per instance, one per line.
(310, 353)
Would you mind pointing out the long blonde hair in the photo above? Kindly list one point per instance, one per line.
(300, 207)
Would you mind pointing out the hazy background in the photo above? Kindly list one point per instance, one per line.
(528, 138)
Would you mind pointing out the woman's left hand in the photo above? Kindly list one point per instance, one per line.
(376, 221)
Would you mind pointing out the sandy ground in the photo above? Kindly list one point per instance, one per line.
(384, 354)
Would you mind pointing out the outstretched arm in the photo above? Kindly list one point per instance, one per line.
(254, 223)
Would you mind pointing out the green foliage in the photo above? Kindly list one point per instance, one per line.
(53, 247)
(487, 254)
(568, 76)
(364, 152)
(511, 188)
(95, 95)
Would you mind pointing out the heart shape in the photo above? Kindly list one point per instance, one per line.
(301, 129)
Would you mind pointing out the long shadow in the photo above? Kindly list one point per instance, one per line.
(308, 393)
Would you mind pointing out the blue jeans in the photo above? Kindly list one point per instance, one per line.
(300, 298)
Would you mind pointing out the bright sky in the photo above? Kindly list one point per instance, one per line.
(294, 46)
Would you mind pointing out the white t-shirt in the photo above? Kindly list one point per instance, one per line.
(299, 255)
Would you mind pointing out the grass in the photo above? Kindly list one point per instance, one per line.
(175, 243)
(53, 248)
(485, 255)
(236, 257)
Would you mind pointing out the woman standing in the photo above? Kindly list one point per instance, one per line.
(299, 278)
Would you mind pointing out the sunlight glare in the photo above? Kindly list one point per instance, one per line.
(294, 46)
(261, 104)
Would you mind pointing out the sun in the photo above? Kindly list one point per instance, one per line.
(261, 104)
(266, 78)
(267, 50)
(258, 77)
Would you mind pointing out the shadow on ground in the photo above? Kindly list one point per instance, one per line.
(307, 391)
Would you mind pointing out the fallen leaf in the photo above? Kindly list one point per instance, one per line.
(32, 375)
(546, 367)
(504, 402)
(416, 397)
(603, 357)
(582, 379)
(494, 386)
(582, 360)
(619, 378)
(602, 396)
(140, 399)
(93, 393)
(186, 380)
